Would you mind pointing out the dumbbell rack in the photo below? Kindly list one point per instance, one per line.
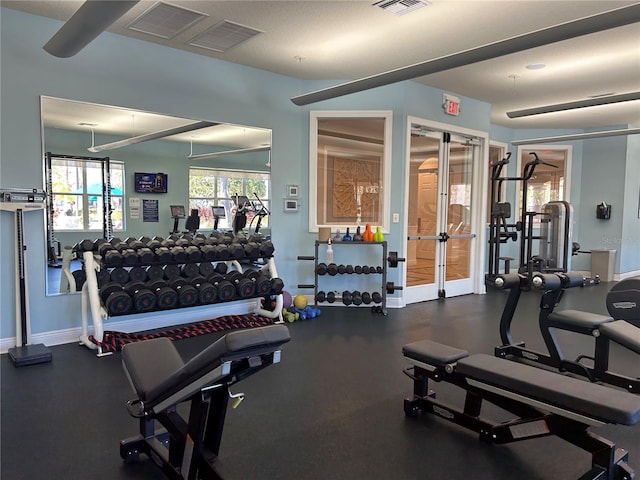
(382, 306)
(92, 306)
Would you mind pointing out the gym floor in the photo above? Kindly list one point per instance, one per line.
(332, 409)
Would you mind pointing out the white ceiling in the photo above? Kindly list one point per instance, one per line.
(348, 40)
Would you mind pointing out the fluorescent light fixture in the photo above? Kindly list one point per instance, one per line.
(151, 136)
(230, 152)
(561, 107)
(578, 136)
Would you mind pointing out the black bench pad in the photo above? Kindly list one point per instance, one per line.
(433, 353)
(156, 369)
(588, 399)
(622, 332)
(580, 319)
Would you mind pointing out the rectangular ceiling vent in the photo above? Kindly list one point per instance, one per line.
(223, 36)
(401, 7)
(165, 20)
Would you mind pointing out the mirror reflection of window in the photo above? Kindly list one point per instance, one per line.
(77, 195)
(210, 187)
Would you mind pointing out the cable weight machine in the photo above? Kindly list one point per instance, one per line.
(556, 226)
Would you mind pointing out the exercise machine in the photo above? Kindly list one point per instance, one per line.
(218, 213)
(542, 403)
(243, 206)
(19, 201)
(603, 329)
(556, 220)
(623, 300)
(192, 223)
(177, 212)
(261, 212)
(187, 448)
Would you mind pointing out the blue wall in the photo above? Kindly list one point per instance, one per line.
(115, 70)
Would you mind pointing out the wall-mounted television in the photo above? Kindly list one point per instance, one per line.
(150, 182)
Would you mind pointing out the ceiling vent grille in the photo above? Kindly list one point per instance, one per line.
(223, 36)
(401, 7)
(165, 20)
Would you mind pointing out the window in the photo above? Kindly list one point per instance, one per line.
(549, 181)
(209, 187)
(350, 169)
(77, 194)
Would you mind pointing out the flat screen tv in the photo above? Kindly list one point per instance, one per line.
(150, 182)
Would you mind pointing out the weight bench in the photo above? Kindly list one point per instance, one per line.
(601, 327)
(188, 448)
(543, 402)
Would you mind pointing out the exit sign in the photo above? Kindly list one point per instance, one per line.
(451, 105)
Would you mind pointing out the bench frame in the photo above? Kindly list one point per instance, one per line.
(187, 448)
(551, 297)
(533, 418)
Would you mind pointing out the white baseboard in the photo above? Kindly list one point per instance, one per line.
(140, 323)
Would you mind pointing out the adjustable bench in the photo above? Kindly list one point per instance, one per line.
(544, 403)
(188, 448)
(601, 327)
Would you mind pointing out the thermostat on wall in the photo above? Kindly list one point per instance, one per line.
(290, 205)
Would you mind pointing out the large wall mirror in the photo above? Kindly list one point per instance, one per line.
(155, 162)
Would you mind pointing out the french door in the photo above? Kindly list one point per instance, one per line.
(441, 231)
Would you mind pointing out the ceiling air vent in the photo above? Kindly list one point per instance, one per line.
(401, 7)
(223, 36)
(165, 20)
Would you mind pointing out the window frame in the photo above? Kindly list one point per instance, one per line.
(314, 117)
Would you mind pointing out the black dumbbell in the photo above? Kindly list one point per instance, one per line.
(356, 297)
(189, 270)
(251, 250)
(365, 270)
(119, 245)
(245, 287)
(379, 269)
(138, 274)
(193, 253)
(206, 269)
(166, 297)
(346, 297)
(163, 255)
(183, 241)
(226, 290)
(178, 253)
(168, 243)
(80, 277)
(332, 269)
(153, 244)
(321, 269)
(366, 298)
(221, 268)
(236, 251)
(357, 269)
(266, 249)
(103, 276)
(331, 297)
(103, 248)
(187, 293)
(119, 275)
(376, 297)
(321, 296)
(212, 239)
(262, 281)
(222, 252)
(155, 272)
(133, 243)
(85, 245)
(144, 240)
(277, 286)
(112, 258)
(145, 256)
(206, 292)
(171, 271)
(208, 253)
(143, 299)
(129, 257)
(342, 269)
(349, 269)
(115, 299)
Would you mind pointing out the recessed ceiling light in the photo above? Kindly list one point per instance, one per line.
(601, 95)
(86, 124)
(535, 66)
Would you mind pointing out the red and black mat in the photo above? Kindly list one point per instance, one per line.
(114, 341)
